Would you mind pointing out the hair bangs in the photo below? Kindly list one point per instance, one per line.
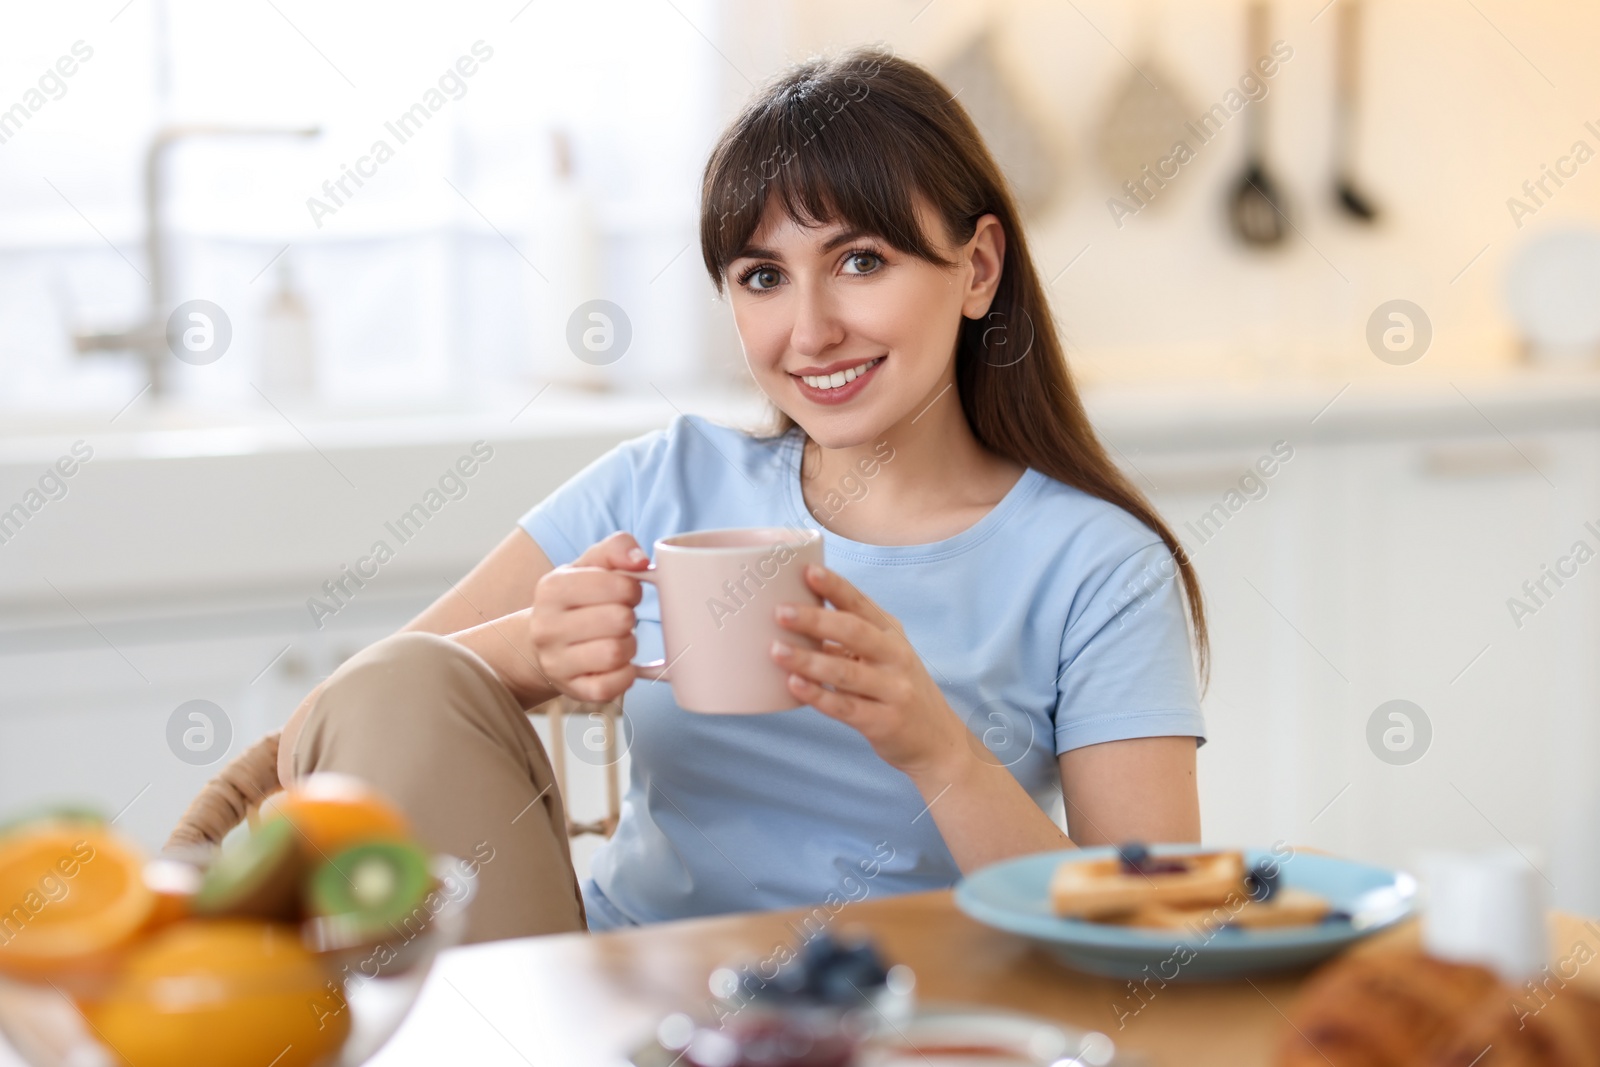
(824, 157)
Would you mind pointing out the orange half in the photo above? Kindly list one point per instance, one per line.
(71, 895)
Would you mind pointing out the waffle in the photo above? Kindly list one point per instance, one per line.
(1287, 907)
(1105, 889)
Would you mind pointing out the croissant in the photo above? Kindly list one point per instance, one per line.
(1406, 1009)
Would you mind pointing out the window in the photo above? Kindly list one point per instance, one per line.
(437, 268)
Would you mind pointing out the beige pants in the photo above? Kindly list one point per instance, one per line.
(427, 723)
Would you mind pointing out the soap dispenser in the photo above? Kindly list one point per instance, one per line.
(288, 357)
(568, 254)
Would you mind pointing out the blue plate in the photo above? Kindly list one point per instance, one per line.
(1014, 896)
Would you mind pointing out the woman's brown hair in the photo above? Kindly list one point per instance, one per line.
(850, 138)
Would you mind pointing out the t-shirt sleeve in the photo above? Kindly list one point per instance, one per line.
(591, 505)
(1126, 668)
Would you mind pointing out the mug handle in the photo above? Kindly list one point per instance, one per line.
(655, 670)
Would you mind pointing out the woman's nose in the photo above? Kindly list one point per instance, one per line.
(817, 326)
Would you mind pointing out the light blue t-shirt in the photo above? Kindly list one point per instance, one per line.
(1052, 623)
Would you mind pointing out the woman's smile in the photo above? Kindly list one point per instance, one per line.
(835, 383)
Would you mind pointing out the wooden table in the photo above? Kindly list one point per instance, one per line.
(587, 999)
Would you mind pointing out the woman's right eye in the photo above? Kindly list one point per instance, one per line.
(763, 277)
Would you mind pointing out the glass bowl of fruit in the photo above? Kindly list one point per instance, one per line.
(302, 942)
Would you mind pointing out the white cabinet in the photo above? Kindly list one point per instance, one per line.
(1260, 555)
(85, 721)
(1371, 571)
(1444, 533)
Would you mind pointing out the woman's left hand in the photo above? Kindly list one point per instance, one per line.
(869, 677)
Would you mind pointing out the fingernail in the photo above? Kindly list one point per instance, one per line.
(787, 611)
(637, 555)
(814, 570)
(781, 650)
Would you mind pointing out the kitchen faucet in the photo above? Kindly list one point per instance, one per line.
(148, 339)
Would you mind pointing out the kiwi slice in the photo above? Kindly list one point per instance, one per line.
(259, 877)
(372, 890)
(49, 813)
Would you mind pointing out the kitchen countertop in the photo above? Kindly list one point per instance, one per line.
(187, 506)
(1401, 402)
(1145, 414)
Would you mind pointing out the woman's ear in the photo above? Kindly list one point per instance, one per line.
(985, 252)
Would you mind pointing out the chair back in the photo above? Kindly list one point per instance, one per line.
(603, 728)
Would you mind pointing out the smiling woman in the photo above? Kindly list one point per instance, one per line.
(896, 170)
(976, 659)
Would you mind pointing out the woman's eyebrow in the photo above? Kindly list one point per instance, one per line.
(752, 252)
(843, 237)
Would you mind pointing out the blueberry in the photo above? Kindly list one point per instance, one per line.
(1262, 881)
(849, 973)
(829, 971)
(1134, 856)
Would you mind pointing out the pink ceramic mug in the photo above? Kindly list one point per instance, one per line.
(718, 591)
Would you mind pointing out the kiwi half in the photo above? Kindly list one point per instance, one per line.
(260, 877)
(372, 890)
(74, 813)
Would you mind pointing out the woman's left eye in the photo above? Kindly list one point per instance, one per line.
(856, 260)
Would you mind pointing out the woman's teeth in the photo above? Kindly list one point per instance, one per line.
(838, 378)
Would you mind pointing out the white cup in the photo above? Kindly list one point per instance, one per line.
(1487, 908)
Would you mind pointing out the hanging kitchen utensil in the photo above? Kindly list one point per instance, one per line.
(1256, 209)
(1021, 144)
(1145, 120)
(1352, 200)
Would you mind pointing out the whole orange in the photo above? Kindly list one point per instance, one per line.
(225, 993)
(334, 811)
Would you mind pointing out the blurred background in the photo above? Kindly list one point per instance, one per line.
(269, 270)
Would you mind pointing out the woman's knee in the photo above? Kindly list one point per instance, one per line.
(406, 690)
(398, 672)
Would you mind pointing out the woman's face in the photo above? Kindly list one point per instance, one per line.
(848, 335)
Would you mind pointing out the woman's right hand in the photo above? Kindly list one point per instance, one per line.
(581, 622)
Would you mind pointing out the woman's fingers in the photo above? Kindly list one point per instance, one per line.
(582, 624)
(602, 688)
(846, 675)
(842, 629)
(619, 550)
(846, 708)
(573, 586)
(836, 590)
(600, 576)
(599, 656)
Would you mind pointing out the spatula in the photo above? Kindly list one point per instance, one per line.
(1255, 210)
(1355, 203)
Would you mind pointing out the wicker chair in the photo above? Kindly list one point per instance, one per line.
(557, 712)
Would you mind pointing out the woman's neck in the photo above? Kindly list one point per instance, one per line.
(925, 479)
